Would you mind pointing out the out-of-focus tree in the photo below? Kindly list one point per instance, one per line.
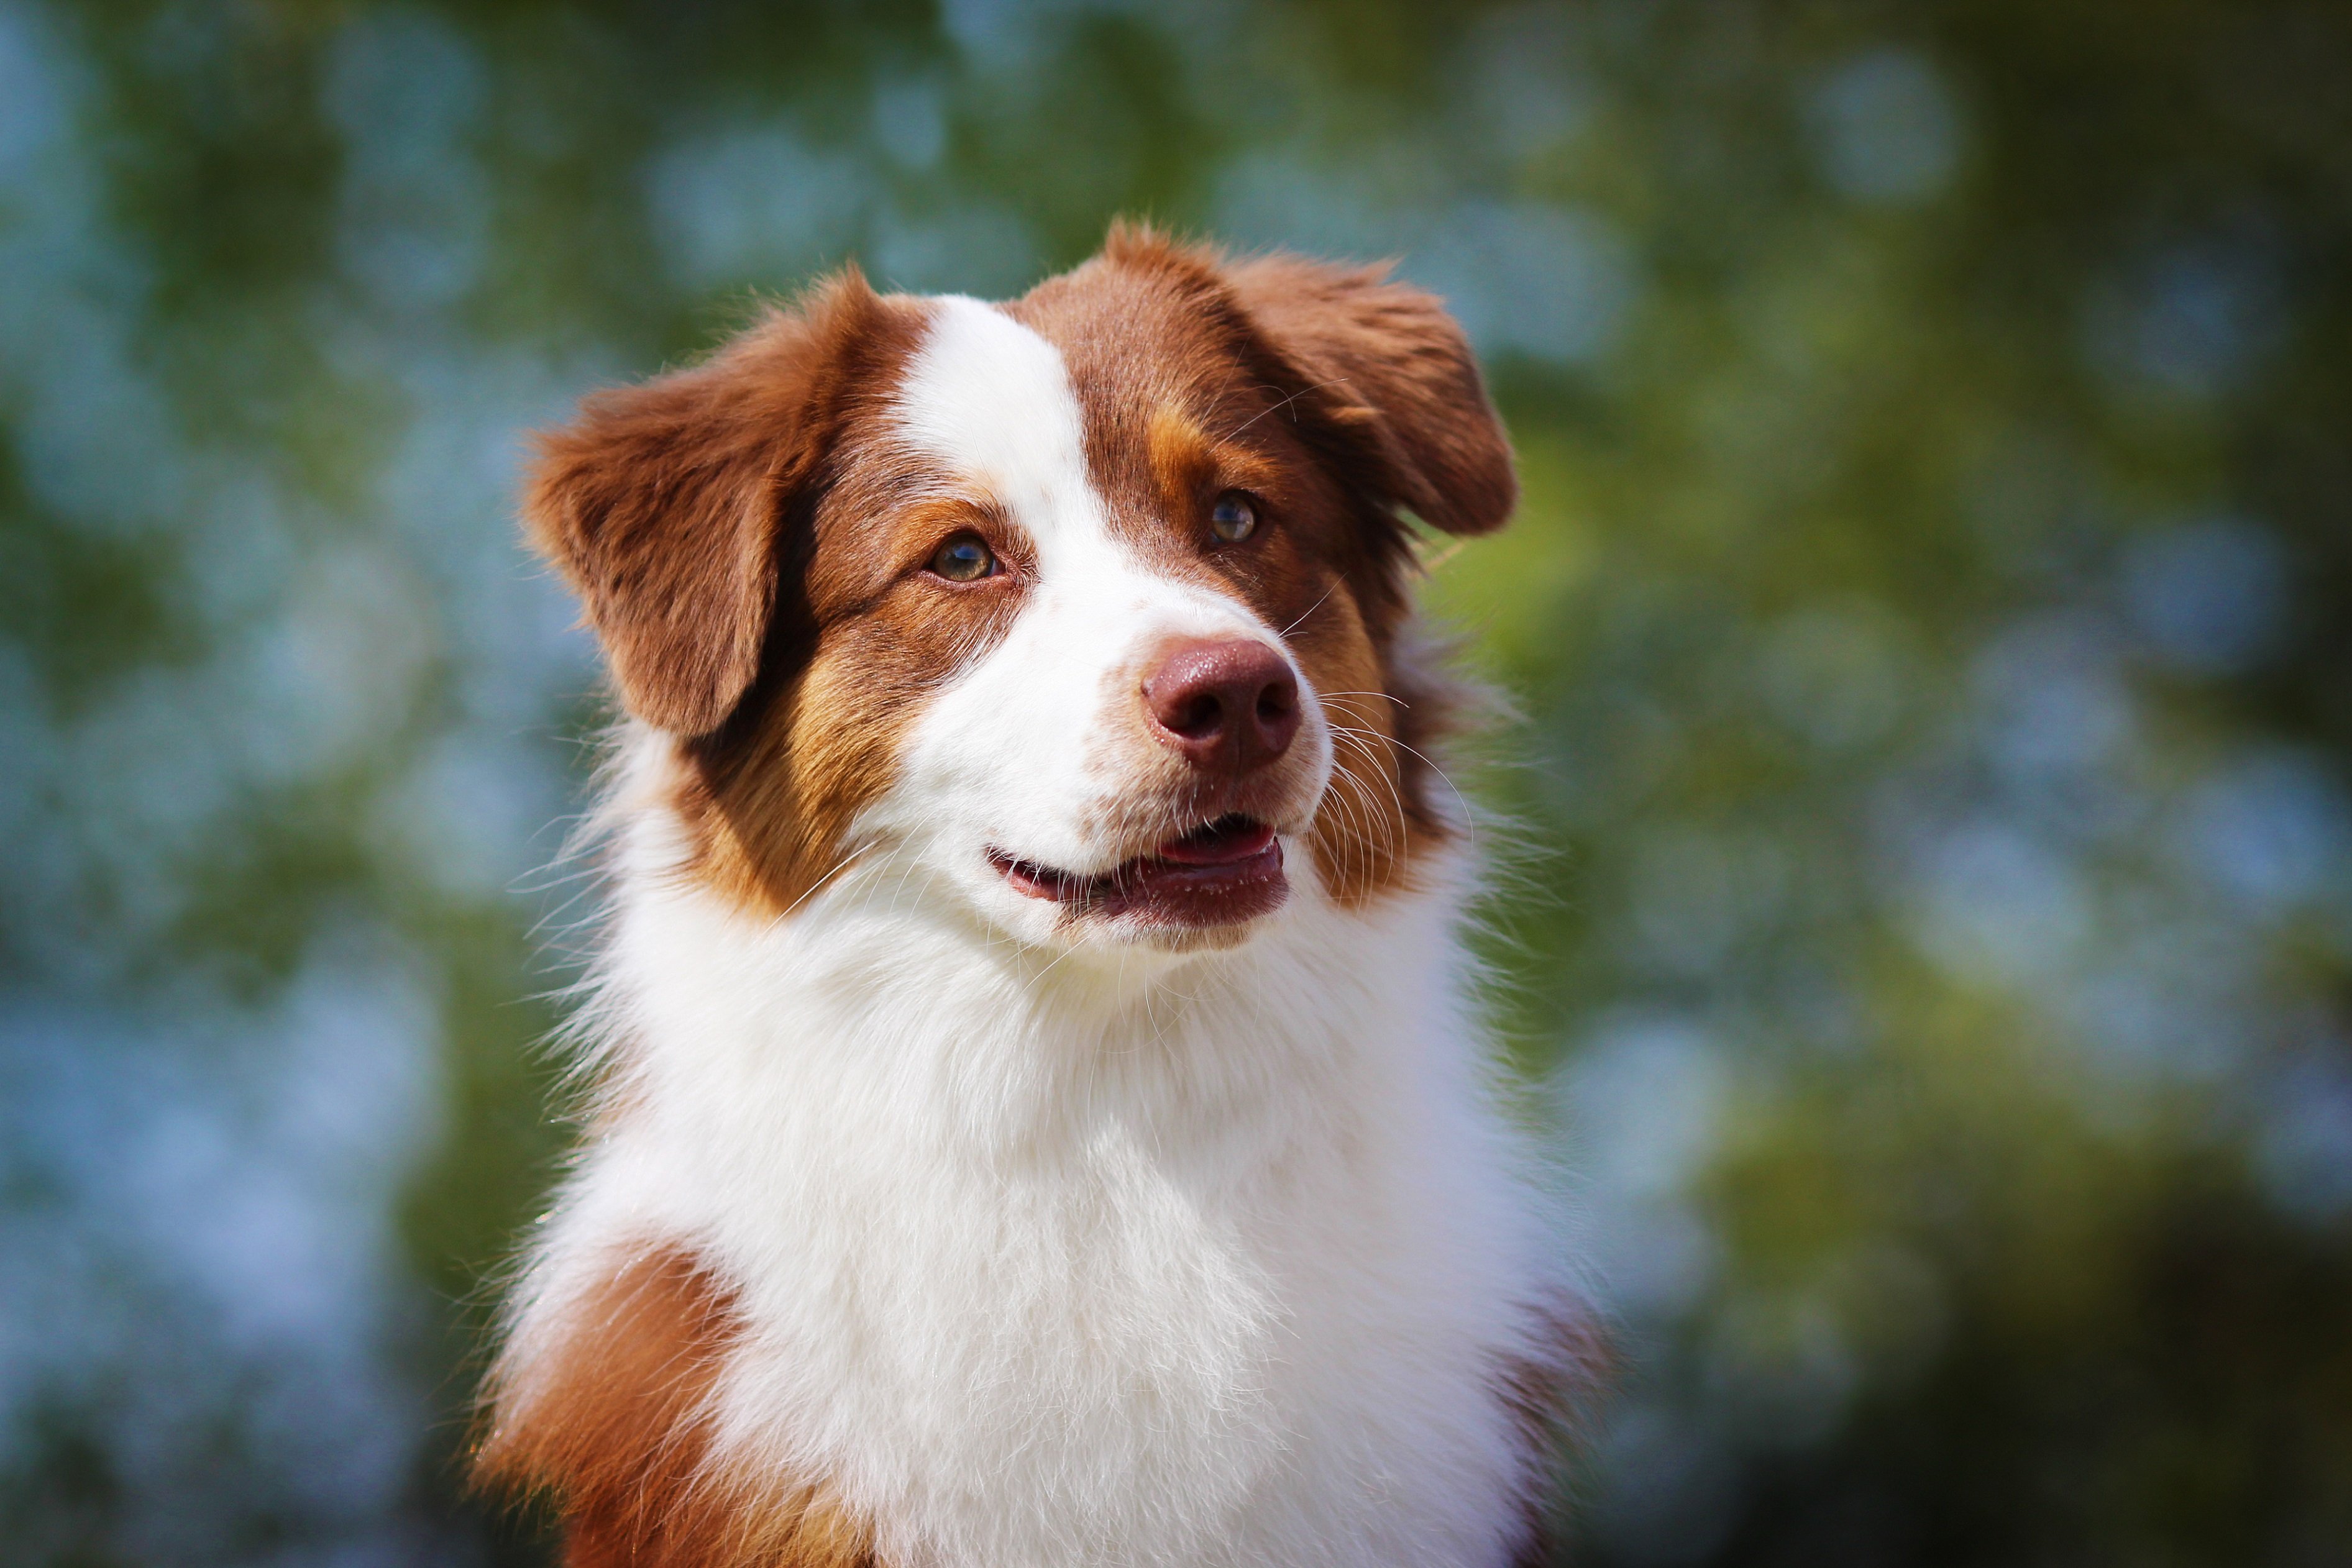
(1926, 859)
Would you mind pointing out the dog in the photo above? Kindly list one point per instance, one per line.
(1037, 1116)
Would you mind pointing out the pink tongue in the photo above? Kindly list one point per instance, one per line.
(1222, 848)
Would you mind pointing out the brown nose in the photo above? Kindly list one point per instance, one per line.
(1227, 707)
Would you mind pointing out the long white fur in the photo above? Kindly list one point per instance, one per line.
(1054, 1253)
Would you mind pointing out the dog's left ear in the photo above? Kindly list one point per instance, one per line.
(665, 505)
(1384, 363)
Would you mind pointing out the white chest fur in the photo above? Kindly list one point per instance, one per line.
(1211, 1260)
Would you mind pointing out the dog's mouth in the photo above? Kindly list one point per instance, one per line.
(1220, 873)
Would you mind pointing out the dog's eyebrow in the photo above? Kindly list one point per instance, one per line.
(947, 504)
(1184, 457)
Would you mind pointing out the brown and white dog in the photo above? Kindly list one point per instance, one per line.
(1037, 1119)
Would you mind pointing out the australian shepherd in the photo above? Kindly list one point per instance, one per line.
(1036, 1116)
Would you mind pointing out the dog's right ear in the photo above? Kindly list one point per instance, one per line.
(665, 505)
(1385, 363)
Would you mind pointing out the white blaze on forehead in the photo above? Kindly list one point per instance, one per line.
(1032, 747)
(992, 401)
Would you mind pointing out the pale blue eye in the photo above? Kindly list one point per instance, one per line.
(1233, 519)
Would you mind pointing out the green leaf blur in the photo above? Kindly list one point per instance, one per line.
(1924, 859)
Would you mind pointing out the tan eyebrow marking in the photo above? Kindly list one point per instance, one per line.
(950, 511)
(1186, 461)
(935, 517)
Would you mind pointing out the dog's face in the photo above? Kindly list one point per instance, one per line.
(1085, 607)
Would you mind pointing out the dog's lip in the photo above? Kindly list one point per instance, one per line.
(1236, 859)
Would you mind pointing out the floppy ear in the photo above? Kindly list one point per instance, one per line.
(1384, 362)
(664, 505)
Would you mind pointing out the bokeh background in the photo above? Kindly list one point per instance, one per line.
(1927, 936)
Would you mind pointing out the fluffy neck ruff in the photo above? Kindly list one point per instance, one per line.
(1039, 1259)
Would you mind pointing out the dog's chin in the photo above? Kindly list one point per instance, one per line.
(1205, 889)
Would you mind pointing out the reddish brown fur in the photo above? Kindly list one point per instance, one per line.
(859, 644)
(1547, 1391)
(743, 535)
(663, 505)
(614, 1419)
(739, 533)
(1336, 398)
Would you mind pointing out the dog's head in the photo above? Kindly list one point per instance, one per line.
(1091, 604)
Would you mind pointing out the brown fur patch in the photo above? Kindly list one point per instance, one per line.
(614, 1419)
(743, 535)
(665, 505)
(1548, 1393)
(862, 639)
(1386, 363)
(1334, 399)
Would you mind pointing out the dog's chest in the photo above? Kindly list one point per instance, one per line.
(1045, 1366)
(1245, 1313)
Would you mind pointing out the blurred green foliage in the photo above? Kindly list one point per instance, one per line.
(1926, 860)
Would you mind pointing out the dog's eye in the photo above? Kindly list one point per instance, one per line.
(964, 558)
(1233, 519)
